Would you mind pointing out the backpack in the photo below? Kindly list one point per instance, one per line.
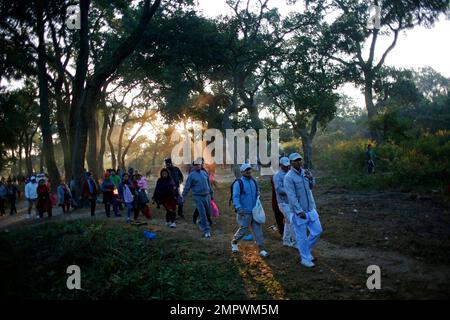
(241, 188)
(94, 186)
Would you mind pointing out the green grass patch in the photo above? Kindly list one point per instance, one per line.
(116, 263)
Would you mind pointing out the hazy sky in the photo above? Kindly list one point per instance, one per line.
(415, 48)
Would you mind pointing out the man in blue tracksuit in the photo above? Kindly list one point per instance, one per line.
(202, 193)
(298, 184)
(283, 204)
(244, 201)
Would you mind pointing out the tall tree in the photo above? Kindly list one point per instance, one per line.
(346, 39)
(47, 140)
(302, 86)
(87, 88)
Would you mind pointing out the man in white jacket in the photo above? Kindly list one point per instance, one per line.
(283, 204)
(31, 195)
(298, 184)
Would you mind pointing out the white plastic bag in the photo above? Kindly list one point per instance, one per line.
(258, 212)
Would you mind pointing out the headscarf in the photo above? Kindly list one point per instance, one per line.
(164, 186)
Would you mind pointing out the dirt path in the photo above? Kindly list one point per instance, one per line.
(391, 261)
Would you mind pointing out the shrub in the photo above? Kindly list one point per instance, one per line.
(422, 162)
(342, 157)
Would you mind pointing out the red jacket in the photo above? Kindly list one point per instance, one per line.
(85, 192)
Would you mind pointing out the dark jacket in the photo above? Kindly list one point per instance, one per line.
(12, 192)
(176, 175)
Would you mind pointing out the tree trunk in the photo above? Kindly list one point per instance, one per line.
(108, 138)
(62, 105)
(307, 152)
(20, 159)
(41, 160)
(47, 142)
(119, 147)
(28, 146)
(307, 140)
(28, 163)
(130, 142)
(80, 76)
(96, 81)
(60, 123)
(92, 147)
(370, 106)
(103, 139)
(155, 151)
(14, 163)
(79, 148)
(226, 124)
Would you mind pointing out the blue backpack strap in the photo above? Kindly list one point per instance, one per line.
(241, 185)
(231, 192)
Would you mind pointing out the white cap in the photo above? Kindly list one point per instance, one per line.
(295, 156)
(32, 178)
(198, 161)
(245, 166)
(284, 161)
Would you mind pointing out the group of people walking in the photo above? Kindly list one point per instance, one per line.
(293, 187)
(38, 195)
(292, 196)
(8, 192)
(120, 191)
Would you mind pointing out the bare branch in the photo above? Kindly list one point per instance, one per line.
(394, 42)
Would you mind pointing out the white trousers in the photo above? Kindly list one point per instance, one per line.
(306, 242)
(289, 238)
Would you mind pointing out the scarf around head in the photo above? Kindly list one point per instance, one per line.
(164, 186)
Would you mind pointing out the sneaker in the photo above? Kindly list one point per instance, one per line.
(263, 253)
(234, 247)
(287, 244)
(128, 220)
(173, 225)
(307, 264)
(28, 216)
(207, 235)
(38, 217)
